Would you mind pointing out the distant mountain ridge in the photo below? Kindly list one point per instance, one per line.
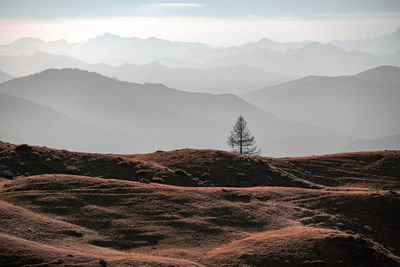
(232, 79)
(4, 76)
(383, 44)
(383, 143)
(363, 105)
(382, 74)
(22, 120)
(273, 45)
(294, 58)
(166, 118)
(311, 59)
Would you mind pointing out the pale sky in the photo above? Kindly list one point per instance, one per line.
(223, 22)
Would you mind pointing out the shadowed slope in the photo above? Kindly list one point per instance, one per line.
(16, 251)
(302, 246)
(328, 211)
(123, 221)
(37, 160)
(378, 169)
(191, 167)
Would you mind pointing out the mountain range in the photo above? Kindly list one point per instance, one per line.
(26, 121)
(363, 105)
(291, 58)
(311, 59)
(141, 51)
(336, 100)
(4, 76)
(383, 44)
(157, 117)
(383, 143)
(236, 79)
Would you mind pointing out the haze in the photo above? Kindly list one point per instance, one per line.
(139, 76)
(200, 133)
(223, 22)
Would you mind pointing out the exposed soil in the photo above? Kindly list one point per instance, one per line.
(198, 208)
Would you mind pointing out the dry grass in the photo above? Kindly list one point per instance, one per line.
(302, 220)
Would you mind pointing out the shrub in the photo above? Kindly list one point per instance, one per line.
(23, 148)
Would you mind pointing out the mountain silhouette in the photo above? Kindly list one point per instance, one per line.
(383, 143)
(25, 121)
(291, 58)
(232, 79)
(4, 76)
(165, 117)
(360, 105)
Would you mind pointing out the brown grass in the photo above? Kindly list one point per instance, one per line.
(315, 214)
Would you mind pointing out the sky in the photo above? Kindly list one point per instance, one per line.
(216, 22)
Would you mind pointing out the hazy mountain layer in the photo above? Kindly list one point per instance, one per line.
(22, 120)
(384, 44)
(166, 118)
(382, 74)
(294, 58)
(360, 105)
(4, 77)
(383, 143)
(311, 59)
(231, 79)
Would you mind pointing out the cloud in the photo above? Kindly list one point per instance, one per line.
(328, 15)
(163, 5)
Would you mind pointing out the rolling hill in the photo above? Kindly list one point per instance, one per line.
(72, 216)
(381, 74)
(22, 120)
(364, 105)
(167, 118)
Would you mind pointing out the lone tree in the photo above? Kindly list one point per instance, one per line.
(241, 140)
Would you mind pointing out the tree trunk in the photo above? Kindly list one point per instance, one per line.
(241, 142)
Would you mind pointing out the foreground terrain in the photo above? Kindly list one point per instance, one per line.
(198, 208)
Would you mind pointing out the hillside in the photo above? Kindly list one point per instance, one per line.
(4, 77)
(71, 219)
(386, 142)
(364, 105)
(382, 74)
(193, 167)
(23, 120)
(311, 59)
(165, 117)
